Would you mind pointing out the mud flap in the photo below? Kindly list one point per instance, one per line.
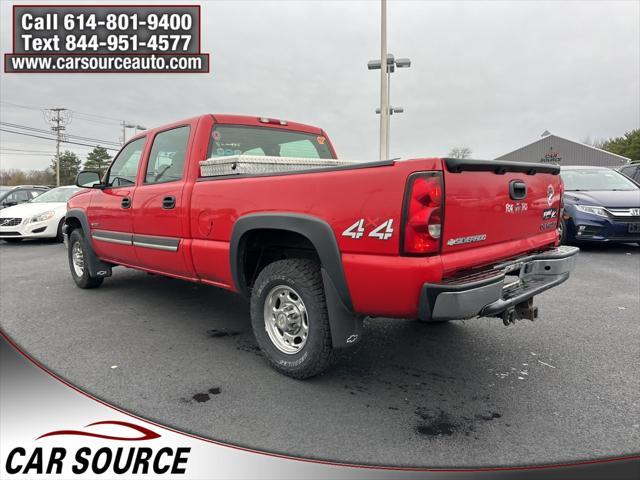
(346, 327)
(97, 268)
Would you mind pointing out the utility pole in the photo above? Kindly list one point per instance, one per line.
(384, 84)
(58, 118)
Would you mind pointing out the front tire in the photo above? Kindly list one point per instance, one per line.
(78, 252)
(290, 319)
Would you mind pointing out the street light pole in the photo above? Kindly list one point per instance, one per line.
(387, 140)
(384, 84)
(390, 64)
(126, 125)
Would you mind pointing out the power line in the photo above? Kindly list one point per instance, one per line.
(77, 137)
(53, 139)
(20, 106)
(2, 149)
(84, 116)
(88, 147)
(58, 118)
(25, 127)
(92, 116)
(96, 122)
(27, 154)
(75, 112)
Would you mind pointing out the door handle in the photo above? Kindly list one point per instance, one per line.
(169, 202)
(126, 202)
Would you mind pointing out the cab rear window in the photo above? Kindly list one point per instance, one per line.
(229, 140)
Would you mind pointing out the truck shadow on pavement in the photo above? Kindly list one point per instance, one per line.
(400, 367)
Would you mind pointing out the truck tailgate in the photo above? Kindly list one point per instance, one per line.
(496, 210)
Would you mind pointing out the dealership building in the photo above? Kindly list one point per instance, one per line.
(562, 151)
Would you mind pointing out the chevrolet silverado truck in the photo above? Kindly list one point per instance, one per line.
(321, 244)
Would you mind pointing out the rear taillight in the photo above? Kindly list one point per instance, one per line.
(422, 214)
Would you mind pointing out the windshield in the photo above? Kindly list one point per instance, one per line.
(229, 140)
(60, 195)
(595, 179)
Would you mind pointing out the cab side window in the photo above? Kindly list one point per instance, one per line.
(124, 168)
(167, 158)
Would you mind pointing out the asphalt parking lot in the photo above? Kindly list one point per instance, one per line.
(471, 393)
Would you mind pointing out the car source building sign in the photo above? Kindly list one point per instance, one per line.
(555, 150)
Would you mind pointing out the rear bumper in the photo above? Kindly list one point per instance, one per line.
(493, 292)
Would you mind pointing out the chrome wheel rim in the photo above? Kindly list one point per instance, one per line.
(286, 320)
(77, 259)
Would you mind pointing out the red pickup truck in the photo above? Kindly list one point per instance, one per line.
(319, 247)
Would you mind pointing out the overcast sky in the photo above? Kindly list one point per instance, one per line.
(489, 75)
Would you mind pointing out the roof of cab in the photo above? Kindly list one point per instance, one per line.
(230, 119)
(255, 121)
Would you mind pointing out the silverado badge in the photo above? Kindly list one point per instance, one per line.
(471, 239)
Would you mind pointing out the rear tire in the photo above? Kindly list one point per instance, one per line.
(78, 251)
(290, 319)
(59, 234)
(563, 231)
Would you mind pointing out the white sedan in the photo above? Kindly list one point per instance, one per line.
(41, 217)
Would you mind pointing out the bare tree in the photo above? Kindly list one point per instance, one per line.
(460, 152)
(14, 176)
(595, 142)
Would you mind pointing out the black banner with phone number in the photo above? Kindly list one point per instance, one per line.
(94, 39)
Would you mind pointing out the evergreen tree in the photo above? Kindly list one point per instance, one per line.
(628, 145)
(98, 160)
(69, 167)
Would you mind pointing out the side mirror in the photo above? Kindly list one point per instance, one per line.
(88, 179)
